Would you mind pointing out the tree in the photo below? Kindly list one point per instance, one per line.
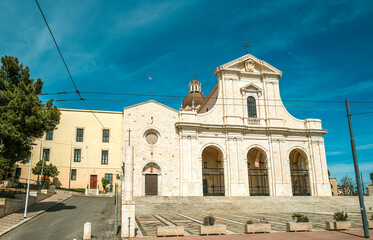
(371, 176)
(347, 185)
(48, 170)
(105, 182)
(23, 117)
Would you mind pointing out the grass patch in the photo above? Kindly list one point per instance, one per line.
(80, 190)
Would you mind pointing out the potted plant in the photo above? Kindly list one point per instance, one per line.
(302, 224)
(209, 227)
(262, 227)
(341, 221)
(165, 231)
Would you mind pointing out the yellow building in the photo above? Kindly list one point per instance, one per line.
(83, 151)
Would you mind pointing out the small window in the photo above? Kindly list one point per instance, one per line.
(73, 174)
(46, 154)
(49, 135)
(251, 107)
(105, 135)
(79, 135)
(109, 176)
(104, 156)
(77, 155)
(18, 173)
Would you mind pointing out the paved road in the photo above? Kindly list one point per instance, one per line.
(66, 220)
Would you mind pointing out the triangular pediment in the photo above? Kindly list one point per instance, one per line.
(249, 64)
(251, 88)
(149, 102)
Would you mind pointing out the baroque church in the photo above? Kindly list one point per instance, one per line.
(239, 140)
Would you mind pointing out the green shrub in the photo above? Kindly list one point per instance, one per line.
(105, 182)
(300, 217)
(371, 218)
(263, 220)
(209, 220)
(81, 190)
(340, 216)
(249, 222)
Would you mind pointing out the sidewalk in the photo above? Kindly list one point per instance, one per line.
(15, 219)
(319, 235)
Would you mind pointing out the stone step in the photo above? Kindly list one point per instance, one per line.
(253, 204)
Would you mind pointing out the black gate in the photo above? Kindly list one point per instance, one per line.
(258, 182)
(213, 181)
(300, 182)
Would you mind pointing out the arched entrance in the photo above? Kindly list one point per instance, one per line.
(151, 173)
(212, 172)
(258, 172)
(300, 181)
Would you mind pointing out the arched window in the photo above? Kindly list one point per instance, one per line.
(251, 107)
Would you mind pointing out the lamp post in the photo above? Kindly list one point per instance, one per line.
(42, 168)
(28, 182)
(356, 166)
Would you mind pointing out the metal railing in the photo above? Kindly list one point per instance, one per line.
(17, 187)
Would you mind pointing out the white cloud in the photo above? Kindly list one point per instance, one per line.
(334, 153)
(345, 169)
(365, 147)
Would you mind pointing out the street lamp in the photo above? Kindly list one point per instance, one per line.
(28, 182)
(42, 167)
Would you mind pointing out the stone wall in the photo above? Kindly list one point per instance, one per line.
(9, 205)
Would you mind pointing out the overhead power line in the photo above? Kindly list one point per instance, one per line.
(229, 104)
(179, 96)
(68, 71)
(59, 51)
(360, 113)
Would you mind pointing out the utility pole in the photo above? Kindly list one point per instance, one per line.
(362, 182)
(357, 175)
(42, 168)
(28, 182)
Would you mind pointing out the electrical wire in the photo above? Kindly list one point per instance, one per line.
(68, 71)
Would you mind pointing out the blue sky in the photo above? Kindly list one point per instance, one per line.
(324, 49)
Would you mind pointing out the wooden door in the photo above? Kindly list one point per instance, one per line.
(151, 184)
(93, 182)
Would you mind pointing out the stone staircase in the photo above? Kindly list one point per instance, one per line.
(262, 204)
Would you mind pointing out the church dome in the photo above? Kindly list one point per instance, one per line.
(194, 98)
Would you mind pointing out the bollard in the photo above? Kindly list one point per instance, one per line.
(87, 230)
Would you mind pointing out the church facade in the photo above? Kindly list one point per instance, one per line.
(238, 141)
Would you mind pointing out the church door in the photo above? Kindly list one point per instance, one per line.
(151, 184)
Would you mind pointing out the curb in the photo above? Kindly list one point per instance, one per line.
(27, 219)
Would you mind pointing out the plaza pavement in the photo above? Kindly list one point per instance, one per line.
(15, 219)
(316, 235)
(235, 222)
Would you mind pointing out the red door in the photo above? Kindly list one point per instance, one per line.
(93, 183)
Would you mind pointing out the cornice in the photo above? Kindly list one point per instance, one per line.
(259, 129)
